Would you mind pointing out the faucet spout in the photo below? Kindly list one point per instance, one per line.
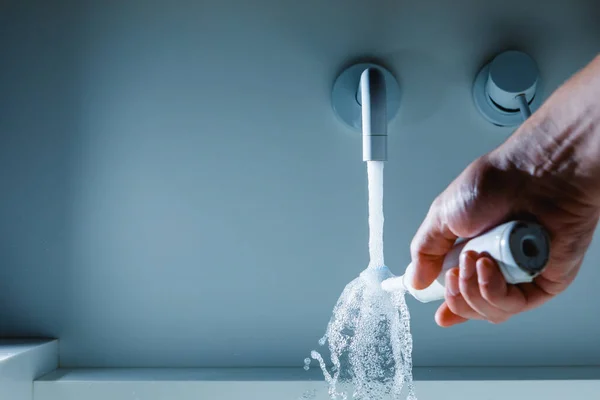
(371, 96)
(366, 97)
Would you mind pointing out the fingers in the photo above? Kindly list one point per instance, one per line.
(495, 290)
(455, 309)
(445, 318)
(455, 299)
(466, 208)
(470, 290)
(429, 247)
(477, 291)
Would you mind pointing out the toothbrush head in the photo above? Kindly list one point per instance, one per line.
(394, 284)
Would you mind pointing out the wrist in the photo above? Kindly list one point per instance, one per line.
(562, 139)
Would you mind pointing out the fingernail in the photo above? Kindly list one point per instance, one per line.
(484, 272)
(452, 282)
(467, 265)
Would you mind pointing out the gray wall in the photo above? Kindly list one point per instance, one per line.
(176, 191)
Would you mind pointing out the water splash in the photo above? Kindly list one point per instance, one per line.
(306, 364)
(368, 335)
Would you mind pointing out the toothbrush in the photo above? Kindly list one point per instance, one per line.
(521, 249)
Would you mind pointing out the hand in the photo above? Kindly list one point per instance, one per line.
(549, 170)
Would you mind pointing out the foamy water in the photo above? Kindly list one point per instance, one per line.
(368, 335)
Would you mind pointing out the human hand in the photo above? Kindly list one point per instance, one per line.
(549, 170)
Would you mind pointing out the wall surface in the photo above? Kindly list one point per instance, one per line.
(176, 190)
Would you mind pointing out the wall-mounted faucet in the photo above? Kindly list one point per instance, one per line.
(372, 98)
(505, 89)
(366, 97)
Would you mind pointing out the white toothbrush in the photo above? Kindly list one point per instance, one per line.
(521, 249)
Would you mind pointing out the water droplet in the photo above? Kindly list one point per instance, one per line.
(306, 364)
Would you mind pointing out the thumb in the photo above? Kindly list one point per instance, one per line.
(468, 207)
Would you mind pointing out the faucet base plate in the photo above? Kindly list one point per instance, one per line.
(345, 88)
(491, 111)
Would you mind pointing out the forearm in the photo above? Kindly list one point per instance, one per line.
(562, 139)
(574, 112)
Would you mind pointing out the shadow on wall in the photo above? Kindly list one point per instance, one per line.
(40, 107)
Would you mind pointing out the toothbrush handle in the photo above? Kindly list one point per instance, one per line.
(492, 243)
